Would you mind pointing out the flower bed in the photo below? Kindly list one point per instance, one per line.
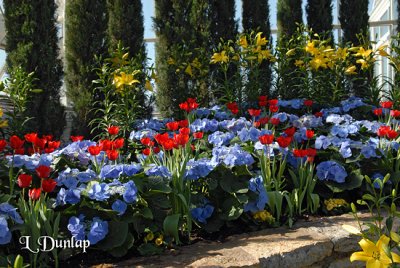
(216, 168)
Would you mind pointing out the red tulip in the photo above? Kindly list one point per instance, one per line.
(284, 141)
(275, 121)
(160, 138)
(198, 135)
(168, 144)
(377, 111)
(146, 151)
(24, 180)
(273, 108)
(48, 185)
(299, 153)
(386, 104)
(43, 171)
(94, 150)
(106, 145)
(113, 130)
(76, 138)
(290, 131)
(266, 139)
(233, 107)
(48, 137)
(156, 150)
(40, 143)
(273, 102)
(16, 142)
(53, 144)
(119, 143)
(318, 114)
(308, 103)
(383, 131)
(147, 141)
(183, 123)
(34, 193)
(395, 113)
(262, 101)
(309, 133)
(181, 139)
(3, 144)
(173, 126)
(20, 151)
(254, 112)
(392, 134)
(184, 131)
(31, 137)
(112, 154)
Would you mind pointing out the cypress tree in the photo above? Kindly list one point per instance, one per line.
(223, 24)
(125, 26)
(320, 18)
(289, 14)
(173, 30)
(85, 31)
(353, 17)
(32, 43)
(255, 17)
(398, 16)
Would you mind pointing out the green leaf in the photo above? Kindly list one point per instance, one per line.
(117, 232)
(149, 249)
(147, 213)
(232, 209)
(353, 181)
(124, 248)
(19, 262)
(171, 226)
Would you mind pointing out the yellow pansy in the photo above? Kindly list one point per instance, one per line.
(374, 254)
(243, 41)
(263, 216)
(260, 41)
(159, 241)
(149, 236)
(351, 70)
(219, 57)
(124, 79)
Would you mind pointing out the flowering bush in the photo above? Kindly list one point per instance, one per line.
(281, 160)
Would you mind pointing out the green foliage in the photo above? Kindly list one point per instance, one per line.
(320, 18)
(289, 15)
(353, 17)
(17, 87)
(32, 43)
(125, 26)
(83, 19)
(255, 17)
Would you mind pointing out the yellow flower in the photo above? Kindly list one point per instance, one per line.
(1, 112)
(375, 254)
(260, 41)
(299, 63)
(219, 57)
(395, 237)
(363, 53)
(159, 241)
(124, 79)
(243, 41)
(364, 63)
(291, 52)
(310, 48)
(120, 61)
(4, 123)
(318, 62)
(263, 216)
(351, 70)
(341, 53)
(149, 236)
(148, 85)
(382, 51)
(188, 70)
(196, 63)
(171, 61)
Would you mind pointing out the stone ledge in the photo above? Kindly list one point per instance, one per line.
(318, 243)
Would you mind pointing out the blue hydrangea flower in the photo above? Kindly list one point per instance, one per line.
(345, 149)
(98, 231)
(69, 196)
(201, 214)
(198, 169)
(251, 134)
(202, 112)
(10, 211)
(77, 227)
(368, 151)
(111, 171)
(99, 192)
(256, 185)
(322, 142)
(331, 170)
(219, 138)
(130, 194)
(119, 206)
(131, 169)
(231, 156)
(86, 176)
(5, 233)
(137, 135)
(158, 171)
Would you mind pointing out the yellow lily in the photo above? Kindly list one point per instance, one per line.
(148, 85)
(188, 70)
(243, 41)
(260, 41)
(124, 79)
(363, 53)
(375, 254)
(351, 70)
(299, 63)
(291, 52)
(364, 64)
(219, 57)
(310, 48)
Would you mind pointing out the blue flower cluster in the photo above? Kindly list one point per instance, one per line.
(231, 156)
(201, 214)
(196, 169)
(95, 230)
(256, 185)
(331, 170)
(7, 211)
(115, 171)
